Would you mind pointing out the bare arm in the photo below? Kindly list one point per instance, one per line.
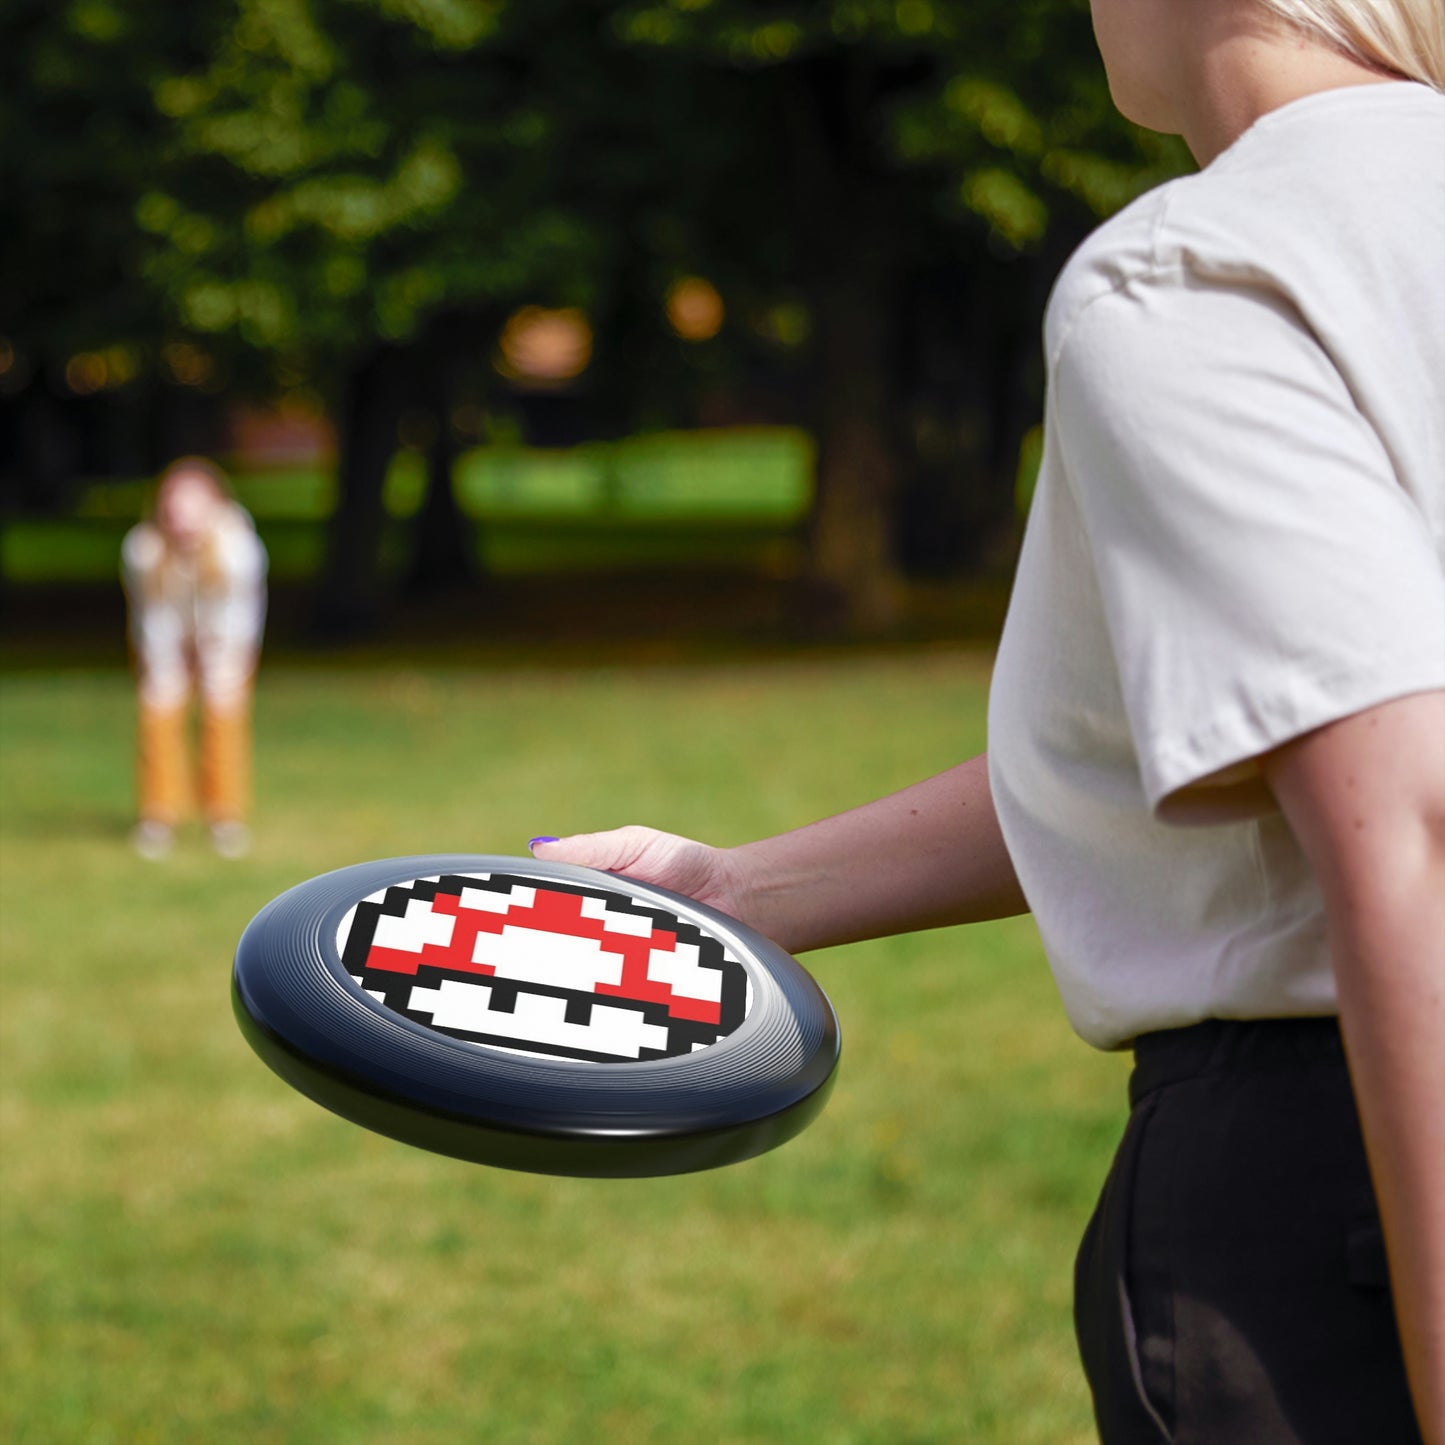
(925, 857)
(1366, 799)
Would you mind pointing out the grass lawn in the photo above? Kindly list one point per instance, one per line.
(193, 1253)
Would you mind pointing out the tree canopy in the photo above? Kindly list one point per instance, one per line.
(349, 195)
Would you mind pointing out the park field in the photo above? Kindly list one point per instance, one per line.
(193, 1253)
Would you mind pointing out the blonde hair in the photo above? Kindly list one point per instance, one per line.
(211, 573)
(193, 466)
(1404, 37)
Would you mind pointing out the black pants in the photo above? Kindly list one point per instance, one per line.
(1231, 1287)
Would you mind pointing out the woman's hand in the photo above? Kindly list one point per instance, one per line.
(710, 875)
(926, 857)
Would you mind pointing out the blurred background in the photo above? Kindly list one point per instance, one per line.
(639, 403)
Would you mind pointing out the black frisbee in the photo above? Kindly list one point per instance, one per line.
(535, 1016)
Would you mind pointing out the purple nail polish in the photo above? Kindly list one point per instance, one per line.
(532, 843)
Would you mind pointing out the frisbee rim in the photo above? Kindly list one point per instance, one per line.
(602, 1153)
(630, 1117)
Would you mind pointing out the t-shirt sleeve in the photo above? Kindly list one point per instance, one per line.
(1262, 569)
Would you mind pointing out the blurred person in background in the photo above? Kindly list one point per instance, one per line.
(1216, 767)
(195, 583)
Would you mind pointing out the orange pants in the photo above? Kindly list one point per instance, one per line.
(164, 779)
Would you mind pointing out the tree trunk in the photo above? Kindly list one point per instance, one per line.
(443, 551)
(843, 213)
(968, 393)
(851, 534)
(349, 603)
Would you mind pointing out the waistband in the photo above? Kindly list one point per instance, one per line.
(1226, 1046)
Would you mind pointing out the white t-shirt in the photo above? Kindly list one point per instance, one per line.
(1238, 536)
(196, 619)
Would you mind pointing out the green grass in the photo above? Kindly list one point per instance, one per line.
(192, 1252)
(735, 497)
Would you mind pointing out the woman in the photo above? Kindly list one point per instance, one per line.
(1217, 760)
(195, 582)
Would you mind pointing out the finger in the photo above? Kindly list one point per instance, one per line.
(609, 851)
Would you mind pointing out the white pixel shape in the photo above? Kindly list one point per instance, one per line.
(343, 930)
(416, 928)
(488, 900)
(632, 923)
(560, 959)
(538, 1018)
(681, 969)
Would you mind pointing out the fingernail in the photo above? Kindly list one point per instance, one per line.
(532, 843)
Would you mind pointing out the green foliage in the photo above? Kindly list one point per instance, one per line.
(377, 165)
(1007, 99)
(79, 142)
(190, 1251)
(302, 177)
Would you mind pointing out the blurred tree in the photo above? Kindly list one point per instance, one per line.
(367, 188)
(351, 196)
(80, 140)
(916, 171)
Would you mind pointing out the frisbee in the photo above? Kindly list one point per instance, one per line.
(535, 1016)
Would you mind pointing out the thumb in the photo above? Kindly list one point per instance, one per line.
(611, 851)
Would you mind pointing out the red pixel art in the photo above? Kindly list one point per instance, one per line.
(554, 969)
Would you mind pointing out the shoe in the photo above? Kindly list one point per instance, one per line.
(231, 839)
(152, 840)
